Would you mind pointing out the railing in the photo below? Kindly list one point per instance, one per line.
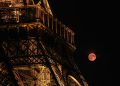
(33, 13)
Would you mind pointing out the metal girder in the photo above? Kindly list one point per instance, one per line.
(35, 42)
(6, 75)
(29, 51)
(33, 50)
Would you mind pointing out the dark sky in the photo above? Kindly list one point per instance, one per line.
(90, 22)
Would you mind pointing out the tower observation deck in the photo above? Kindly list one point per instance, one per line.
(36, 49)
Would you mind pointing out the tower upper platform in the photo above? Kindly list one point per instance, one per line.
(27, 13)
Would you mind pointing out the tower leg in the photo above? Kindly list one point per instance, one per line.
(6, 70)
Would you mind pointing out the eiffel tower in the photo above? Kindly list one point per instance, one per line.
(36, 49)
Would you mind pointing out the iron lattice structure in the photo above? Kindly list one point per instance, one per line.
(36, 49)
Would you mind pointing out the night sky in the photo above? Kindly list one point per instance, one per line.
(90, 21)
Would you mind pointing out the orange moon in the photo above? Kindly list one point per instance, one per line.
(92, 56)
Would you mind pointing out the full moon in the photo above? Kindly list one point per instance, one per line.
(92, 56)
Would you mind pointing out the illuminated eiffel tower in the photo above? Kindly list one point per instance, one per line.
(36, 49)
